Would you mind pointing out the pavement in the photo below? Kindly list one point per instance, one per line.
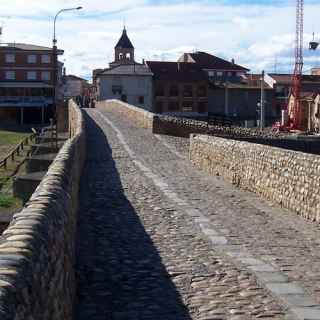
(159, 239)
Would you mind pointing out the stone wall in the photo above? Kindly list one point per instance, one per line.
(139, 116)
(289, 178)
(180, 127)
(183, 127)
(37, 250)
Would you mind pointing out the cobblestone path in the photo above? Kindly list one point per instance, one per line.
(158, 239)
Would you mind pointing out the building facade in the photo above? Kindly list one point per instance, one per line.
(131, 83)
(125, 79)
(179, 88)
(27, 82)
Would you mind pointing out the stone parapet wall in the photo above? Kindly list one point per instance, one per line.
(180, 127)
(37, 250)
(289, 178)
(140, 117)
(183, 127)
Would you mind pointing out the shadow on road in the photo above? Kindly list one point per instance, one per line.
(120, 274)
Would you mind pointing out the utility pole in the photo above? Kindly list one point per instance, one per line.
(262, 103)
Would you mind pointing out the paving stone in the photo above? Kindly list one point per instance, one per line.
(262, 268)
(284, 288)
(272, 277)
(138, 260)
(299, 300)
(307, 313)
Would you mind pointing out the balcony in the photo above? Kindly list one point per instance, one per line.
(14, 101)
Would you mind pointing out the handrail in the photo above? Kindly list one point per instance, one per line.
(16, 150)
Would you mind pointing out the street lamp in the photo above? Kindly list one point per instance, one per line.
(55, 58)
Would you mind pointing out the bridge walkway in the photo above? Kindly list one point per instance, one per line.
(159, 239)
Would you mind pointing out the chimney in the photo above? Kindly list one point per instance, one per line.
(232, 61)
(178, 66)
(64, 71)
(143, 62)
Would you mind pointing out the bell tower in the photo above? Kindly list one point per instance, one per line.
(124, 50)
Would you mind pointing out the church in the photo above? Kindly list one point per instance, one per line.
(125, 79)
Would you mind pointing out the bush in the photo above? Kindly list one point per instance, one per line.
(6, 201)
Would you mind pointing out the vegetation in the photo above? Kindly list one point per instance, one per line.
(8, 141)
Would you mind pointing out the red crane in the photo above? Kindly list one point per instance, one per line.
(295, 115)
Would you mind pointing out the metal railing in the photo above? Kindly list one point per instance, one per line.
(15, 100)
(17, 150)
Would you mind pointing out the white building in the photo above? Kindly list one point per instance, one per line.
(126, 79)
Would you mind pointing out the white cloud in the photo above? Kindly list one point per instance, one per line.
(253, 35)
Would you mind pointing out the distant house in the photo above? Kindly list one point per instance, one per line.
(309, 113)
(74, 86)
(179, 88)
(125, 79)
(131, 83)
(241, 100)
(26, 82)
(282, 84)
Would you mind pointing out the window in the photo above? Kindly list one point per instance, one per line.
(124, 98)
(31, 75)
(141, 100)
(32, 58)
(219, 73)
(116, 89)
(211, 74)
(159, 90)
(187, 106)
(173, 106)
(202, 91)
(45, 58)
(174, 91)
(10, 75)
(187, 91)
(45, 76)
(202, 107)
(10, 58)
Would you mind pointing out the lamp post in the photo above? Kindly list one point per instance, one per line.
(55, 61)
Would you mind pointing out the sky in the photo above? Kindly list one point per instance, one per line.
(258, 34)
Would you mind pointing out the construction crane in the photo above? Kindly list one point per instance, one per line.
(295, 112)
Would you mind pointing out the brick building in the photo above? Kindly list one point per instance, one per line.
(179, 88)
(26, 82)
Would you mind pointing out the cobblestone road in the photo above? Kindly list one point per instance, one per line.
(160, 240)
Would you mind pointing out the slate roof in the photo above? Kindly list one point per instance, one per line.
(124, 41)
(127, 69)
(177, 71)
(208, 61)
(287, 78)
(26, 47)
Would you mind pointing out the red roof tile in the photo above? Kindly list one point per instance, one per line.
(208, 61)
(177, 71)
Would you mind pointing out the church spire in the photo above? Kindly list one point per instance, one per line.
(124, 49)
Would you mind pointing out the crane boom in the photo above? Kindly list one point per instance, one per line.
(297, 76)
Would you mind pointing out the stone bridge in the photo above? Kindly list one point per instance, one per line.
(149, 234)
